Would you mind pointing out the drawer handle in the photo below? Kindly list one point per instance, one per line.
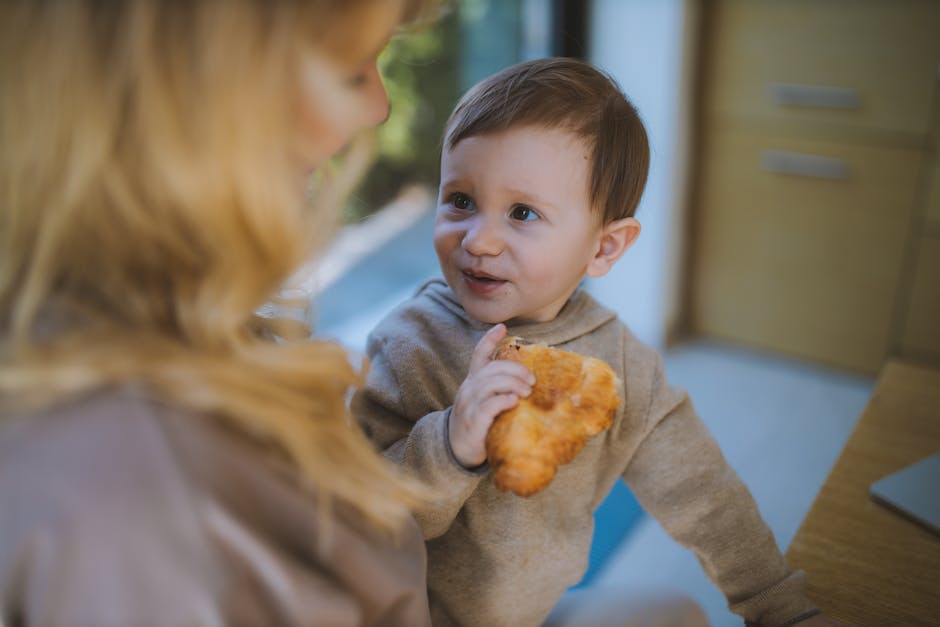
(800, 164)
(821, 96)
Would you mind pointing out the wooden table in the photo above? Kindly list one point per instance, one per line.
(865, 563)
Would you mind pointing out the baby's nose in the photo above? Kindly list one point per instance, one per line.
(483, 238)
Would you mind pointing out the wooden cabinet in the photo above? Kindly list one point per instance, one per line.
(815, 158)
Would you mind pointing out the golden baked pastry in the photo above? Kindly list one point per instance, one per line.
(574, 397)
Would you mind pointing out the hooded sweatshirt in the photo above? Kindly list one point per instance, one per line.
(495, 558)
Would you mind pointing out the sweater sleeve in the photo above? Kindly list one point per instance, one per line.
(419, 443)
(681, 478)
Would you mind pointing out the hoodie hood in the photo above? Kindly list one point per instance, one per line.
(581, 315)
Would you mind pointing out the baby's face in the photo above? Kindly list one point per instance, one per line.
(514, 232)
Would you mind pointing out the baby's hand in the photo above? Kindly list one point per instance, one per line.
(491, 387)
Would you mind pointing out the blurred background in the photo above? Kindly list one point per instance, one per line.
(791, 223)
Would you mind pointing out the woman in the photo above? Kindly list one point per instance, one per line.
(161, 462)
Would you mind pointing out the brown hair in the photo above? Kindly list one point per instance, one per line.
(149, 205)
(575, 96)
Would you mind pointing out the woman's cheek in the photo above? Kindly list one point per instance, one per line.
(320, 123)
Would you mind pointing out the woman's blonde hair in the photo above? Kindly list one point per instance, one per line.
(149, 206)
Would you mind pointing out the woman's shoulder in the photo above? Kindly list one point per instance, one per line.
(161, 506)
(81, 440)
(104, 455)
(89, 487)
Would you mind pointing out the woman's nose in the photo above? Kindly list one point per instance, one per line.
(379, 107)
(483, 238)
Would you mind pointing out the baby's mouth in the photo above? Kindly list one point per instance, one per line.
(479, 276)
(481, 282)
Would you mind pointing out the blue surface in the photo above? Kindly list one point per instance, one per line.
(613, 521)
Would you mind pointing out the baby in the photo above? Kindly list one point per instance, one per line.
(542, 167)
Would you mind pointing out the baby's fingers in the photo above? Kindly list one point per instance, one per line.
(497, 404)
(502, 376)
(486, 346)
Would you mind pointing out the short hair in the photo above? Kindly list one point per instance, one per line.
(572, 95)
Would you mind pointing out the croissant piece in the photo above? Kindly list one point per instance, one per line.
(574, 397)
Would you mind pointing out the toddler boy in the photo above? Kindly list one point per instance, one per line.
(542, 167)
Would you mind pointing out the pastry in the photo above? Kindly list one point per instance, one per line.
(574, 397)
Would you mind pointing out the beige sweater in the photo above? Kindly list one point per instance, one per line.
(497, 559)
(117, 510)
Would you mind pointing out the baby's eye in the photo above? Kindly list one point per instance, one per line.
(461, 201)
(523, 213)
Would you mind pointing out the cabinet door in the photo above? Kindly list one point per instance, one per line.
(800, 243)
(849, 65)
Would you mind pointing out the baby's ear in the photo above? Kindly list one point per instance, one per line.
(615, 238)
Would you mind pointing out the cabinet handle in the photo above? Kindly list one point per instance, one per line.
(820, 96)
(801, 164)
